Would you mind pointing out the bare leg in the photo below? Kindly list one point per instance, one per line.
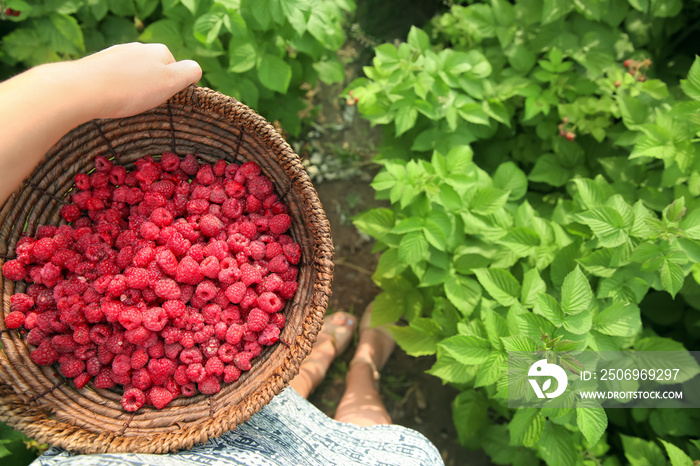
(361, 403)
(334, 338)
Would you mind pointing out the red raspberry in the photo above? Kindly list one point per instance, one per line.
(253, 347)
(257, 319)
(137, 278)
(133, 399)
(157, 350)
(242, 360)
(70, 212)
(234, 334)
(209, 385)
(64, 343)
(117, 286)
(149, 231)
(45, 354)
(236, 292)
(43, 249)
(169, 161)
(210, 267)
(139, 359)
(104, 379)
(210, 225)
(231, 373)
(167, 262)
(21, 302)
(130, 318)
(172, 350)
(214, 366)
(191, 356)
(278, 264)
(259, 186)
(272, 250)
(290, 275)
(160, 369)
(195, 372)
(247, 229)
(121, 364)
(82, 181)
(81, 334)
(249, 169)
(14, 270)
(269, 335)
(141, 379)
(249, 299)
(278, 320)
(253, 204)
(102, 164)
(227, 352)
(160, 397)
(117, 175)
(188, 389)
(205, 175)
(233, 189)
(288, 289)
(280, 223)
(292, 252)
(270, 283)
(188, 272)
(189, 165)
(155, 319)
(206, 290)
(269, 302)
(81, 380)
(71, 367)
(249, 275)
(161, 217)
(14, 319)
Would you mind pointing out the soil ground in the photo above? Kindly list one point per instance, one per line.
(413, 398)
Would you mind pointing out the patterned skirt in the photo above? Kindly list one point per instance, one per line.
(288, 431)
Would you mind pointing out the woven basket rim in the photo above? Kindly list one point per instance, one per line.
(42, 404)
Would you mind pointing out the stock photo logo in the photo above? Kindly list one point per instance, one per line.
(542, 369)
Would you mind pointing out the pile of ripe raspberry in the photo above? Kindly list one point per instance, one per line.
(168, 280)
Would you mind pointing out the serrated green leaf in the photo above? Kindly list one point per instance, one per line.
(375, 222)
(414, 341)
(458, 159)
(677, 456)
(691, 86)
(500, 284)
(467, 349)
(532, 287)
(509, 177)
(413, 248)
(519, 344)
(576, 293)
(598, 263)
(592, 422)
(580, 323)
(496, 327)
(242, 56)
(640, 452)
(464, 293)
(618, 319)
(206, 28)
(672, 277)
(330, 71)
(492, 370)
(526, 427)
(549, 308)
(469, 411)
(418, 38)
(449, 370)
(607, 224)
(556, 445)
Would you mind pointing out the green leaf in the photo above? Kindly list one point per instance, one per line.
(552, 10)
(449, 370)
(500, 284)
(274, 73)
(491, 371)
(464, 293)
(375, 222)
(496, 327)
(330, 71)
(576, 293)
(522, 241)
(509, 177)
(677, 456)
(459, 159)
(242, 56)
(533, 286)
(467, 349)
(519, 344)
(675, 357)
(691, 86)
(640, 452)
(413, 248)
(556, 445)
(607, 224)
(675, 211)
(405, 119)
(64, 34)
(619, 319)
(470, 414)
(548, 170)
(549, 308)
(526, 427)
(672, 277)
(414, 341)
(418, 38)
(487, 201)
(206, 28)
(592, 422)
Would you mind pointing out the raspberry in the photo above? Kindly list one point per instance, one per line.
(252, 204)
(257, 319)
(43, 249)
(161, 217)
(236, 292)
(141, 379)
(14, 319)
(249, 169)
(188, 272)
(280, 223)
(149, 231)
(139, 359)
(71, 367)
(117, 286)
(242, 360)
(189, 165)
(133, 399)
(209, 225)
(137, 278)
(157, 350)
(278, 264)
(70, 212)
(45, 354)
(169, 161)
(117, 175)
(214, 366)
(209, 385)
(14, 270)
(259, 186)
(233, 189)
(160, 369)
(64, 343)
(271, 283)
(249, 275)
(167, 262)
(247, 229)
(81, 334)
(155, 319)
(121, 364)
(160, 397)
(195, 372)
(292, 252)
(206, 290)
(253, 347)
(249, 299)
(234, 334)
(104, 379)
(130, 318)
(288, 289)
(205, 175)
(269, 302)
(227, 352)
(231, 373)
(272, 250)
(210, 267)
(269, 335)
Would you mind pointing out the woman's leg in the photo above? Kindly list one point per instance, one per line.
(333, 339)
(361, 403)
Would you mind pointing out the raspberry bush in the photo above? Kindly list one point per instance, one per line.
(167, 280)
(541, 165)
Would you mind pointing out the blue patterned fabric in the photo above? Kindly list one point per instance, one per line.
(288, 431)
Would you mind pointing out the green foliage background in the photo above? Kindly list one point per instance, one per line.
(540, 160)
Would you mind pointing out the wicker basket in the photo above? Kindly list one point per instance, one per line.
(42, 404)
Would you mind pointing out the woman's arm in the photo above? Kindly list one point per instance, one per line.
(42, 104)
